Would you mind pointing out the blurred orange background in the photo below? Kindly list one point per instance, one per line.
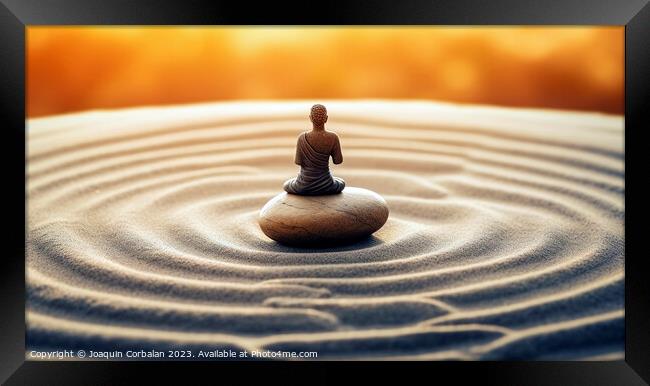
(79, 68)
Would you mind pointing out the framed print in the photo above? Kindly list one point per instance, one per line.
(383, 188)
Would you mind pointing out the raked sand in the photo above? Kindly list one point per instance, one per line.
(505, 238)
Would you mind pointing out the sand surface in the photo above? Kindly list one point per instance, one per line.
(505, 238)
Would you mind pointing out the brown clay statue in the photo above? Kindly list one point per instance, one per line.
(316, 209)
(313, 152)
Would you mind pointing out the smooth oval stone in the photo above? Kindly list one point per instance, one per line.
(323, 220)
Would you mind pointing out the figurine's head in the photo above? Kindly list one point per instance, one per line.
(318, 115)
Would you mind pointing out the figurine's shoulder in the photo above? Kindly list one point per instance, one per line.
(332, 134)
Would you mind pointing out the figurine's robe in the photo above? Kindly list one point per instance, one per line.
(315, 177)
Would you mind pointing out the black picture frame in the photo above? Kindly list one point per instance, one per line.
(16, 15)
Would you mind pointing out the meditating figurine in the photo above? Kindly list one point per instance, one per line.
(313, 152)
(316, 209)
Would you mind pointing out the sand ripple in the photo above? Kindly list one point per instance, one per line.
(505, 238)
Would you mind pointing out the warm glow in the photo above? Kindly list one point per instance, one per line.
(78, 68)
